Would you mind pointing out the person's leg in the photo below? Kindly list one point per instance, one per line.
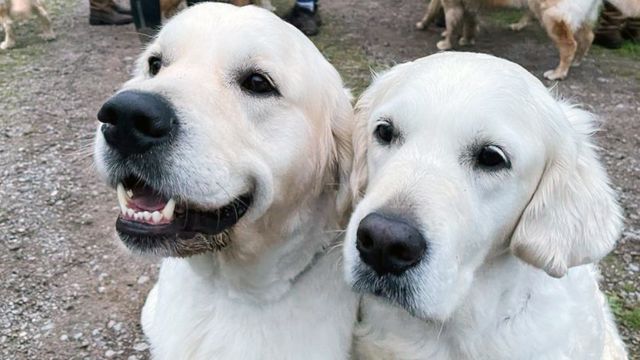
(147, 17)
(608, 33)
(102, 12)
(304, 16)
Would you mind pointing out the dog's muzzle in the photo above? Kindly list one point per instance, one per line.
(139, 129)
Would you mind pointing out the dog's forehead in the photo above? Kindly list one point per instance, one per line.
(226, 28)
(463, 88)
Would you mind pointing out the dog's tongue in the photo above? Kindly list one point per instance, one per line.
(144, 198)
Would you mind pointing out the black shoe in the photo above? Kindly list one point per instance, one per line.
(120, 9)
(108, 17)
(307, 21)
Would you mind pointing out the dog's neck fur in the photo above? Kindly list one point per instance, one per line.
(309, 231)
(288, 303)
(526, 314)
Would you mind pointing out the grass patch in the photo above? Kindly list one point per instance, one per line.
(627, 315)
(345, 54)
(505, 17)
(629, 49)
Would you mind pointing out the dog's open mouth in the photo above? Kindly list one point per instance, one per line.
(152, 221)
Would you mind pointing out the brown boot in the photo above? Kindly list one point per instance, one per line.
(631, 30)
(102, 12)
(609, 31)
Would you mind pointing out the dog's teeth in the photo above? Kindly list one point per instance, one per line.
(137, 216)
(156, 217)
(146, 215)
(130, 193)
(122, 198)
(167, 212)
(130, 213)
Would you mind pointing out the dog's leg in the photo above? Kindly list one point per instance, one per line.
(6, 23)
(524, 21)
(469, 29)
(266, 4)
(432, 11)
(45, 21)
(584, 37)
(561, 34)
(452, 16)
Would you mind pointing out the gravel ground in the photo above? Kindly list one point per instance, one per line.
(70, 291)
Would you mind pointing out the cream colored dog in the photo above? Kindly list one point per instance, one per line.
(568, 23)
(227, 149)
(483, 212)
(11, 10)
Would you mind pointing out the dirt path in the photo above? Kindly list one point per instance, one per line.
(68, 291)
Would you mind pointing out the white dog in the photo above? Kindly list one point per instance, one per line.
(484, 208)
(226, 150)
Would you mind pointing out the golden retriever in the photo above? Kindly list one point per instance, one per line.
(228, 152)
(568, 23)
(480, 217)
(11, 10)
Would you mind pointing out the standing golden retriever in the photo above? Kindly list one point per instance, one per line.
(228, 151)
(482, 214)
(11, 10)
(569, 24)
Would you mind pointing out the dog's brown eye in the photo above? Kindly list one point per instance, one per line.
(385, 133)
(155, 63)
(258, 84)
(493, 158)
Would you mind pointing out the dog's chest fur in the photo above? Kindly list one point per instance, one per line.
(528, 315)
(193, 317)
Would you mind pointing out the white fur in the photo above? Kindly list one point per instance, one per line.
(275, 292)
(473, 295)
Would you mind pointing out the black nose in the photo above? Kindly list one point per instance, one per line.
(388, 244)
(135, 121)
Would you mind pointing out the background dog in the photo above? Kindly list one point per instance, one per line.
(11, 10)
(568, 23)
(481, 217)
(226, 149)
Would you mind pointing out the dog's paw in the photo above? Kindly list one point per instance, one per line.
(517, 26)
(7, 45)
(555, 74)
(48, 36)
(443, 45)
(420, 25)
(464, 41)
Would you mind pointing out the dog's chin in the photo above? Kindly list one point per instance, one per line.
(396, 290)
(153, 223)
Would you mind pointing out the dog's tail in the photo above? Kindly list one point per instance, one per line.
(629, 8)
(20, 9)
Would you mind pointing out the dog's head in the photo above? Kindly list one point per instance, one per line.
(461, 158)
(232, 119)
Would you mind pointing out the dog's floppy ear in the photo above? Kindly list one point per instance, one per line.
(359, 177)
(573, 217)
(341, 130)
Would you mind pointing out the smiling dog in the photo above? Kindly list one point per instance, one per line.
(483, 211)
(226, 150)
